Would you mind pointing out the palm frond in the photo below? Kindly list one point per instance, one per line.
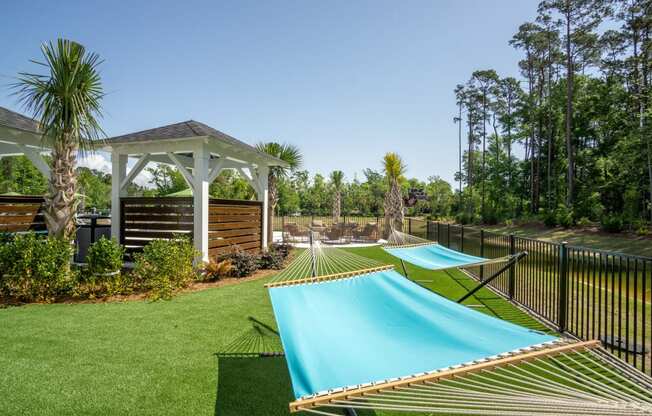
(286, 152)
(67, 100)
(393, 166)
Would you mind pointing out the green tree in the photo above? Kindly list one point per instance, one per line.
(67, 102)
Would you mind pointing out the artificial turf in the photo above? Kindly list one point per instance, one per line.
(186, 356)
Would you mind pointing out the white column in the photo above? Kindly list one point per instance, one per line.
(200, 199)
(263, 196)
(118, 174)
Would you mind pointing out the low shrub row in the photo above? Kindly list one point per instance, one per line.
(38, 269)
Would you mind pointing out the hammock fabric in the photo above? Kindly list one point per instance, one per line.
(433, 256)
(378, 327)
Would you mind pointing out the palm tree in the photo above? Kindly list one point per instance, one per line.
(337, 180)
(287, 153)
(66, 102)
(393, 204)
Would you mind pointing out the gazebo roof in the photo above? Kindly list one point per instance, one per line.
(14, 120)
(189, 130)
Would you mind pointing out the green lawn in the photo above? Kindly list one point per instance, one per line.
(593, 238)
(169, 357)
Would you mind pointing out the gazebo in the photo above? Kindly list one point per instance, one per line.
(20, 135)
(199, 152)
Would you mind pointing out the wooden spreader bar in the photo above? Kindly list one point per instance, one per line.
(327, 277)
(553, 349)
(428, 243)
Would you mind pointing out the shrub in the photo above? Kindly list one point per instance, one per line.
(102, 276)
(550, 219)
(612, 223)
(464, 218)
(272, 259)
(34, 268)
(244, 263)
(215, 270)
(105, 256)
(282, 248)
(584, 222)
(164, 266)
(564, 216)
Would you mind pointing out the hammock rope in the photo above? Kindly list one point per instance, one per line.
(572, 382)
(329, 263)
(562, 377)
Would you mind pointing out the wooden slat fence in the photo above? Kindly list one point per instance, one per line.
(21, 213)
(145, 219)
(234, 223)
(230, 222)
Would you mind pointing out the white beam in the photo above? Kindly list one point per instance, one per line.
(263, 195)
(186, 174)
(200, 201)
(118, 173)
(36, 158)
(140, 164)
(252, 178)
(215, 170)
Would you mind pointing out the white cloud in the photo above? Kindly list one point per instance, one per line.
(95, 161)
(102, 162)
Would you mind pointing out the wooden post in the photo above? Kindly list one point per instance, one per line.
(562, 307)
(448, 236)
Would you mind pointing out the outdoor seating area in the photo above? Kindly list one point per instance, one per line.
(334, 233)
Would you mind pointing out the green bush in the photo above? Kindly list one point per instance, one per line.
(584, 222)
(612, 223)
(564, 216)
(465, 218)
(164, 266)
(35, 268)
(550, 219)
(244, 263)
(272, 259)
(103, 276)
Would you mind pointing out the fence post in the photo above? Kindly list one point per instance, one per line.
(409, 225)
(438, 232)
(283, 228)
(562, 308)
(462, 238)
(512, 270)
(448, 235)
(481, 253)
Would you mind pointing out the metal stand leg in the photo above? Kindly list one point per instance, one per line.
(350, 412)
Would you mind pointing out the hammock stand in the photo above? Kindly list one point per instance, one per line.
(510, 262)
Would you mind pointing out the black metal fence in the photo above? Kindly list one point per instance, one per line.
(587, 293)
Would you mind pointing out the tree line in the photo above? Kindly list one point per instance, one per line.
(580, 114)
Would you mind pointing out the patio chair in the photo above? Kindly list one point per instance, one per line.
(292, 233)
(368, 233)
(334, 233)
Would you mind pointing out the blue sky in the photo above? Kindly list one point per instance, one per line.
(346, 81)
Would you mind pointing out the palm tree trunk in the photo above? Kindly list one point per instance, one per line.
(61, 202)
(393, 209)
(337, 203)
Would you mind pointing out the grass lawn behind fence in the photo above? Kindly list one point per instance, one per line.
(162, 358)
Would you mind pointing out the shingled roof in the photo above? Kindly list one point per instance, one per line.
(184, 130)
(17, 121)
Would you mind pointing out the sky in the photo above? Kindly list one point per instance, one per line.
(344, 80)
